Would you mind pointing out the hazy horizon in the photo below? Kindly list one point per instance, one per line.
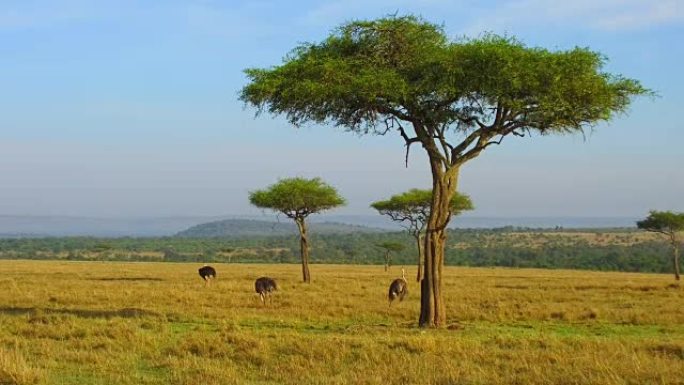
(274, 216)
(39, 226)
(129, 109)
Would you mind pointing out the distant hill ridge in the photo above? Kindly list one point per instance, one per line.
(32, 226)
(235, 228)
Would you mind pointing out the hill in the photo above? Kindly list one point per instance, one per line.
(240, 228)
(27, 226)
(22, 226)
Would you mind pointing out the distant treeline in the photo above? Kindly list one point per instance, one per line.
(500, 247)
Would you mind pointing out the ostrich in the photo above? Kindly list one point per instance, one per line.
(207, 273)
(264, 286)
(398, 288)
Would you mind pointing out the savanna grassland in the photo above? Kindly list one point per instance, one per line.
(155, 323)
(590, 249)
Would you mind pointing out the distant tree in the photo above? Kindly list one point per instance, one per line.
(454, 98)
(390, 247)
(412, 208)
(298, 198)
(668, 224)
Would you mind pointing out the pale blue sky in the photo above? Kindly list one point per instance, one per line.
(129, 108)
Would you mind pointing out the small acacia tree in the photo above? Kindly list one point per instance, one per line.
(298, 198)
(668, 224)
(412, 208)
(390, 247)
(454, 98)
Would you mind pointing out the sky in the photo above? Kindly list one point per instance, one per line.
(119, 108)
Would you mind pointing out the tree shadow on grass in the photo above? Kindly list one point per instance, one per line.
(82, 313)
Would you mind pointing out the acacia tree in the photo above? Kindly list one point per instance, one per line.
(454, 98)
(298, 198)
(412, 208)
(668, 224)
(390, 247)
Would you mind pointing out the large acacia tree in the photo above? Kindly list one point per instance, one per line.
(453, 98)
(412, 209)
(670, 225)
(298, 198)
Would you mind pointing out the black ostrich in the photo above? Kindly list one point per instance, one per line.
(264, 286)
(398, 288)
(207, 273)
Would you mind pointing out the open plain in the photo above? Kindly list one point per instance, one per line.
(156, 323)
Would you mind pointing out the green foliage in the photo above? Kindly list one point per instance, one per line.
(413, 208)
(391, 246)
(405, 68)
(668, 224)
(662, 222)
(380, 75)
(479, 247)
(297, 197)
(416, 203)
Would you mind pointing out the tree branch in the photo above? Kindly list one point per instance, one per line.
(463, 146)
(483, 141)
(472, 119)
(426, 136)
(664, 232)
(446, 146)
(395, 113)
(408, 141)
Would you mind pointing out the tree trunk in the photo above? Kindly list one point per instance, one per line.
(675, 260)
(304, 249)
(419, 242)
(432, 310)
(387, 260)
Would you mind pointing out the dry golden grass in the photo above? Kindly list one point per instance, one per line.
(155, 323)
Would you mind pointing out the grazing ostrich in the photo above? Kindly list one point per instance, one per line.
(264, 286)
(398, 288)
(207, 273)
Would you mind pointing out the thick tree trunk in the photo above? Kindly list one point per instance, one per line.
(432, 309)
(304, 249)
(419, 242)
(675, 260)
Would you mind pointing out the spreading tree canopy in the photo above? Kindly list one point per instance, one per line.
(297, 198)
(453, 98)
(412, 208)
(668, 224)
